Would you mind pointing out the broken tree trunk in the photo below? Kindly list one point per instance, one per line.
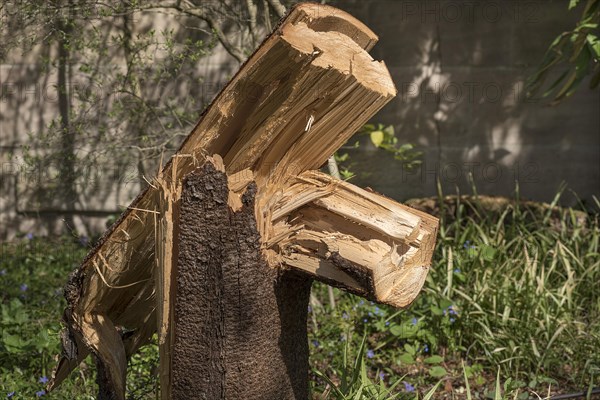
(299, 97)
(240, 326)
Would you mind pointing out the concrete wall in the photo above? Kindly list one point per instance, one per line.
(30, 201)
(459, 67)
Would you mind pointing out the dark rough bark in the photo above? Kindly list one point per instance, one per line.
(105, 386)
(240, 326)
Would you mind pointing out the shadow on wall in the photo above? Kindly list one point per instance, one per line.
(120, 127)
(460, 68)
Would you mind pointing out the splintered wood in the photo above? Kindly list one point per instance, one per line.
(304, 92)
(351, 238)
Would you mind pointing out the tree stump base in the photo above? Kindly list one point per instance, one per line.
(239, 325)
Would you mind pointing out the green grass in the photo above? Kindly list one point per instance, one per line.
(510, 309)
(513, 291)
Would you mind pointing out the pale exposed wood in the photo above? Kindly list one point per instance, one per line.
(104, 339)
(299, 97)
(237, 186)
(321, 18)
(166, 256)
(386, 247)
(373, 211)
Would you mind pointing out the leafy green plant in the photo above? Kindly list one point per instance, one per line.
(32, 273)
(511, 290)
(384, 137)
(354, 380)
(578, 50)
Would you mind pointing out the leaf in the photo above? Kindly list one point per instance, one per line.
(430, 394)
(406, 358)
(13, 343)
(405, 331)
(594, 43)
(437, 372)
(576, 76)
(41, 341)
(583, 59)
(341, 157)
(377, 138)
(497, 393)
(573, 4)
(488, 252)
(436, 310)
(558, 80)
(466, 381)
(6, 318)
(472, 252)
(405, 147)
(434, 360)
(389, 131)
(21, 317)
(396, 330)
(329, 382)
(369, 127)
(359, 361)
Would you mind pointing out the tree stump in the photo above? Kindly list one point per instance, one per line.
(239, 326)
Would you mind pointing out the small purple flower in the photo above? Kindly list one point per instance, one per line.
(43, 380)
(345, 315)
(315, 343)
(468, 245)
(360, 303)
(382, 375)
(29, 236)
(415, 321)
(309, 309)
(370, 354)
(365, 320)
(452, 320)
(84, 240)
(370, 314)
(457, 271)
(425, 349)
(408, 387)
(450, 310)
(23, 287)
(40, 393)
(387, 323)
(11, 394)
(2, 272)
